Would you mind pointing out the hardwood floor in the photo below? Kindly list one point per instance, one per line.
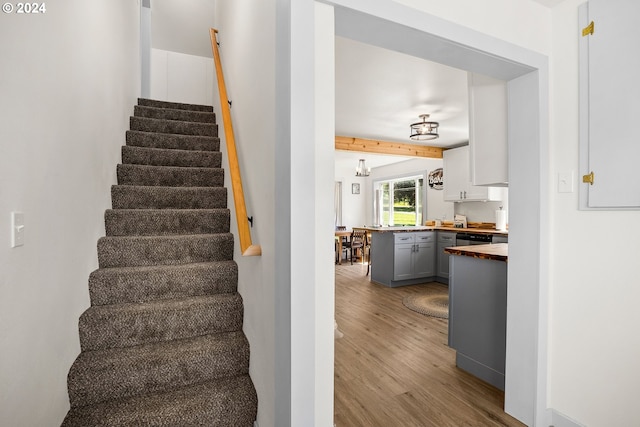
(393, 366)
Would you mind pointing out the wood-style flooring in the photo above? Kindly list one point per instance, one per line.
(393, 366)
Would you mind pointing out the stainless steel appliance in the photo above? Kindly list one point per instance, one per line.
(499, 238)
(468, 239)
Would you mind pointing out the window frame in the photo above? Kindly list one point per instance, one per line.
(416, 175)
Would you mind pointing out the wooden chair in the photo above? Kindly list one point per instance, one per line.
(344, 239)
(357, 243)
(367, 250)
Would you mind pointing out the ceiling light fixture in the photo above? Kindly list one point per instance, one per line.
(424, 130)
(362, 170)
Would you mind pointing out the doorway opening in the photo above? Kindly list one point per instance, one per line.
(526, 73)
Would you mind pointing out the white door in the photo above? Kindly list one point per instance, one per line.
(613, 106)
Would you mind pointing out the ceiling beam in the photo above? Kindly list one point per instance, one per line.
(347, 143)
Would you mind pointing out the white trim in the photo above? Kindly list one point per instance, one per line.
(560, 420)
(390, 25)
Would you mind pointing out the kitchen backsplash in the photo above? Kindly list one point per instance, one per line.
(482, 211)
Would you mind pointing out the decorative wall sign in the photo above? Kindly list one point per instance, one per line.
(436, 180)
(355, 188)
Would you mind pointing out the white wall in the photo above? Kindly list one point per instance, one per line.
(354, 206)
(594, 345)
(69, 82)
(178, 77)
(183, 26)
(436, 206)
(249, 71)
(357, 209)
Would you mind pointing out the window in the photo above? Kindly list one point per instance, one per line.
(401, 200)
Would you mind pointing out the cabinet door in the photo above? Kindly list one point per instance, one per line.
(443, 261)
(488, 148)
(445, 240)
(455, 172)
(457, 185)
(403, 261)
(609, 108)
(424, 259)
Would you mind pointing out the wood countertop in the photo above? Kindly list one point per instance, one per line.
(413, 229)
(496, 251)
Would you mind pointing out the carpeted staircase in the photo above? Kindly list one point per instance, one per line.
(162, 343)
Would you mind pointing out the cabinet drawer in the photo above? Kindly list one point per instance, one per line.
(424, 237)
(447, 238)
(402, 238)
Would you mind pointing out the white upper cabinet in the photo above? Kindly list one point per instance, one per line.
(488, 145)
(609, 104)
(457, 184)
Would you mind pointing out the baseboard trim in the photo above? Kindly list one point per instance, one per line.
(558, 419)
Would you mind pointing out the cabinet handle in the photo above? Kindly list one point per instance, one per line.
(461, 195)
(465, 194)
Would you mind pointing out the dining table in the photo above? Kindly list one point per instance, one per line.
(339, 235)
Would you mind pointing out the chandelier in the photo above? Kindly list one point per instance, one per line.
(424, 130)
(362, 170)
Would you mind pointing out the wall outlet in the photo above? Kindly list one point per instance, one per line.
(17, 229)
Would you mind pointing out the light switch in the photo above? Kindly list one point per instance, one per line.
(17, 229)
(565, 182)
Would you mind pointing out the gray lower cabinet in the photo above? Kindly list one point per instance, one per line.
(478, 316)
(413, 255)
(445, 240)
(403, 258)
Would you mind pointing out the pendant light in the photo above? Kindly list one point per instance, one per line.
(362, 170)
(424, 130)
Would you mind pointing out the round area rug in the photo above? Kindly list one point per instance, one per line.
(435, 304)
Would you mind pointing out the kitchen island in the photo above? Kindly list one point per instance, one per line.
(478, 309)
(403, 256)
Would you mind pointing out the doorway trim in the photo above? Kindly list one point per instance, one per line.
(396, 27)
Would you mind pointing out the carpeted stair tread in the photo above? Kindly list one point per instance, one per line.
(149, 222)
(169, 176)
(162, 197)
(102, 375)
(172, 126)
(140, 284)
(162, 343)
(171, 157)
(174, 114)
(174, 105)
(130, 251)
(225, 402)
(131, 324)
(172, 141)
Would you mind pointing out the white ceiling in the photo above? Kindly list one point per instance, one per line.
(380, 92)
(549, 3)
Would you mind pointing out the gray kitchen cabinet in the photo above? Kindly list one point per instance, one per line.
(413, 255)
(403, 258)
(478, 316)
(445, 240)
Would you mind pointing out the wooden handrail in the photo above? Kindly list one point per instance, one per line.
(246, 246)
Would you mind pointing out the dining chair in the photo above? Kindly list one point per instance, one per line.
(344, 239)
(357, 243)
(367, 250)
